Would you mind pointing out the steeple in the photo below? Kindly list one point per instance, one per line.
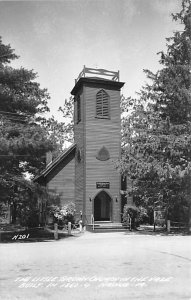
(97, 138)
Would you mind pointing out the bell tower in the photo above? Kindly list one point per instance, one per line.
(97, 137)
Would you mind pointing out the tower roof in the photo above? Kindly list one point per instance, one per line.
(92, 81)
(101, 77)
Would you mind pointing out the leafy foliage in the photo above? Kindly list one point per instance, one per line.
(62, 132)
(24, 138)
(137, 215)
(63, 214)
(157, 135)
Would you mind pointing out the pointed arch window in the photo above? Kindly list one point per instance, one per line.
(78, 100)
(102, 105)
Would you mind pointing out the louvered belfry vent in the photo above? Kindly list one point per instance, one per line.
(102, 104)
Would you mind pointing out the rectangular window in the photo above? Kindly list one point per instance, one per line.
(78, 109)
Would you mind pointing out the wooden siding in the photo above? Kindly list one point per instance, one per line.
(99, 133)
(62, 183)
(79, 136)
(90, 135)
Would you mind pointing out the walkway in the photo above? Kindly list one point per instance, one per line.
(98, 266)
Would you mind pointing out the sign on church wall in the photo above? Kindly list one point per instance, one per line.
(102, 185)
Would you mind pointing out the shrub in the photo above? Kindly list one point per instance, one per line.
(30, 218)
(137, 214)
(64, 214)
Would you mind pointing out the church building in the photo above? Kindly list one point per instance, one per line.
(85, 173)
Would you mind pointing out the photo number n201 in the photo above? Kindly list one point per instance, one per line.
(20, 237)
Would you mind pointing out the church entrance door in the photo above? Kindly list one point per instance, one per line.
(102, 207)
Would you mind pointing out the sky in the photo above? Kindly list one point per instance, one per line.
(57, 38)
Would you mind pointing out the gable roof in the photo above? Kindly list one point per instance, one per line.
(55, 163)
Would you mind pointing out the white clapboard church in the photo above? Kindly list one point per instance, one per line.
(85, 173)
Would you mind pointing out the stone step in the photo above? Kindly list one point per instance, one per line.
(107, 224)
(105, 227)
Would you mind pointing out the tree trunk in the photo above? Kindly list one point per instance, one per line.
(189, 222)
(14, 212)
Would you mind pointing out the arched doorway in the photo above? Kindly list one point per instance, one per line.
(102, 207)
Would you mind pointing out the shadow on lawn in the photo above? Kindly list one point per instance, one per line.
(30, 235)
(149, 230)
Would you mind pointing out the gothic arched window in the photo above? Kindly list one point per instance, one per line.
(78, 109)
(102, 104)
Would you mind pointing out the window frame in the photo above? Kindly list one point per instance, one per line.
(108, 106)
(78, 109)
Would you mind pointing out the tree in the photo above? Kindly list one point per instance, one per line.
(62, 132)
(24, 138)
(157, 135)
